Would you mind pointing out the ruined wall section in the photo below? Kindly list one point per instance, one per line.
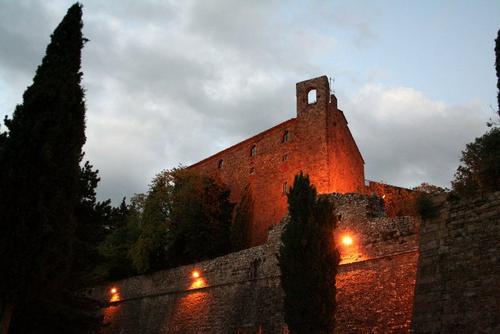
(398, 201)
(458, 287)
(374, 235)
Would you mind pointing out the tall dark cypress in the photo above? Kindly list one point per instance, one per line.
(497, 66)
(308, 261)
(39, 179)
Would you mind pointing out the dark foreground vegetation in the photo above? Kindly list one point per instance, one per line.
(308, 261)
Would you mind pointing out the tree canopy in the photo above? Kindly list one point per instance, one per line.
(480, 168)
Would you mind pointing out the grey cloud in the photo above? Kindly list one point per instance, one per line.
(406, 138)
(172, 82)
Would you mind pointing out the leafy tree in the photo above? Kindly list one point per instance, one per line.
(480, 171)
(200, 218)
(149, 251)
(124, 232)
(40, 174)
(308, 261)
(241, 228)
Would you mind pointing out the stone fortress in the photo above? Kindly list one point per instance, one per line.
(398, 274)
(317, 142)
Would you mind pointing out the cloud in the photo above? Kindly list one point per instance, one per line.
(407, 138)
(171, 82)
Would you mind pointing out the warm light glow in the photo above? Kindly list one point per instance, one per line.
(115, 298)
(195, 274)
(198, 283)
(347, 240)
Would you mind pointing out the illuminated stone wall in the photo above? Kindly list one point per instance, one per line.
(376, 296)
(241, 291)
(318, 142)
(376, 278)
(458, 282)
(362, 218)
(397, 201)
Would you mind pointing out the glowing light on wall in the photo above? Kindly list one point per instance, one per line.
(198, 281)
(347, 240)
(115, 296)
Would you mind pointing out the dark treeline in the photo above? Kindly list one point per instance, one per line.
(184, 218)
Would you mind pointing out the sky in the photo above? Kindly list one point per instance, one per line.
(172, 82)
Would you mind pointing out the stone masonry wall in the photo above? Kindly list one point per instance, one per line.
(458, 281)
(362, 218)
(376, 296)
(397, 201)
(236, 293)
(241, 292)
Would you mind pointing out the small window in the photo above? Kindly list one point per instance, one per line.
(252, 170)
(285, 157)
(285, 137)
(220, 164)
(253, 151)
(312, 96)
(285, 188)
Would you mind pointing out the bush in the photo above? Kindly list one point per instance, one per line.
(426, 207)
(480, 171)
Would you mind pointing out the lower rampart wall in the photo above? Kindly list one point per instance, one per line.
(236, 293)
(458, 282)
(376, 296)
(241, 292)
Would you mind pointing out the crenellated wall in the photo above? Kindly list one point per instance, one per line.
(241, 292)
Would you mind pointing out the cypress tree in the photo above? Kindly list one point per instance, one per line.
(497, 66)
(308, 261)
(40, 173)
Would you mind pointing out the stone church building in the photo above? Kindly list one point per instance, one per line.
(317, 141)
